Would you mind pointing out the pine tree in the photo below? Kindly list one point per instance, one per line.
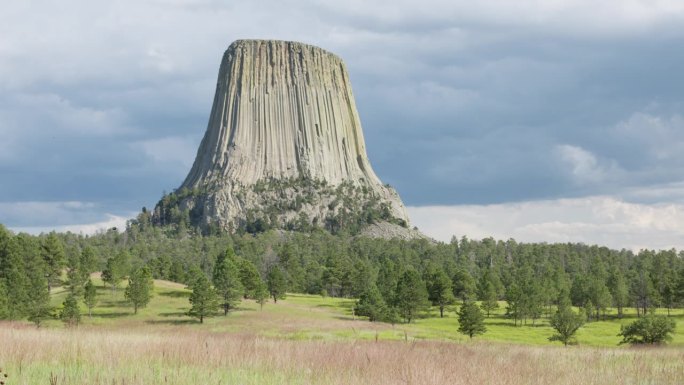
(38, 304)
(3, 301)
(371, 305)
(227, 282)
(261, 294)
(249, 278)
(471, 320)
(411, 295)
(464, 285)
(13, 275)
(75, 277)
(117, 269)
(204, 300)
(565, 322)
(139, 290)
(489, 298)
(277, 284)
(71, 314)
(88, 262)
(90, 296)
(619, 291)
(52, 251)
(440, 290)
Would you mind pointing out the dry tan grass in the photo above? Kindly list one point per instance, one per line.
(182, 356)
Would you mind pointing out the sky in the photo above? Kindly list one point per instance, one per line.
(554, 121)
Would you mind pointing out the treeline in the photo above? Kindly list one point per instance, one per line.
(394, 280)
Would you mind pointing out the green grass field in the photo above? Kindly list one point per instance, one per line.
(314, 317)
(313, 340)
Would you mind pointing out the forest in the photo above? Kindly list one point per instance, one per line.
(394, 280)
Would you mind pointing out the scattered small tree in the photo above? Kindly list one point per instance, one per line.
(277, 284)
(371, 305)
(566, 323)
(650, 329)
(116, 269)
(52, 252)
(440, 290)
(139, 290)
(471, 320)
(90, 296)
(489, 298)
(464, 285)
(204, 300)
(71, 314)
(261, 294)
(38, 305)
(249, 277)
(227, 282)
(411, 295)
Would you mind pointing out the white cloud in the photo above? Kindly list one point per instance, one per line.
(585, 168)
(111, 221)
(603, 220)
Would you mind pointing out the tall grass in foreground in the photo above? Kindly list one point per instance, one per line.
(182, 356)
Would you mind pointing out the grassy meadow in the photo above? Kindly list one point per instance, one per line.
(315, 340)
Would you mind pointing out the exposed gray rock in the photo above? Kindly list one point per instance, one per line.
(284, 141)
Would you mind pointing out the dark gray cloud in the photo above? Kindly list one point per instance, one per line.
(102, 106)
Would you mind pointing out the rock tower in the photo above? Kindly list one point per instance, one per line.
(283, 148)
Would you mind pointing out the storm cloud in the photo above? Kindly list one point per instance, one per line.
(102, 105)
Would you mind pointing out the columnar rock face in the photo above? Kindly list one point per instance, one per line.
(283, 146)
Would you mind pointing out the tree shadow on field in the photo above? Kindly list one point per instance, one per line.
(173, 314)
(112, 303)
(188, 321)
(175, 294)
(111, 315)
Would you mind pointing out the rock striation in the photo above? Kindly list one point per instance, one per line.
(283, 148)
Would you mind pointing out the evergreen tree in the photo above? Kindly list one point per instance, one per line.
(117, 269)
(90, 296)
(249, 278)
(411, 295)
(515, 303)
(489, 298)
(599, 295)
(3, 301)
(471, 320)
(440, 290)
(388, 276)
(88, 262)
(371, 305)
(204, 300)
(226, 280)
(362, 278)
(177, 272)
(619, 291)
(139, 290)
(193, 275)
(52, 252)
(277, 284)
(13, 275)
(71, 314)
(38, 304)
(75, 277)
(464, 285)
(261, 294)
